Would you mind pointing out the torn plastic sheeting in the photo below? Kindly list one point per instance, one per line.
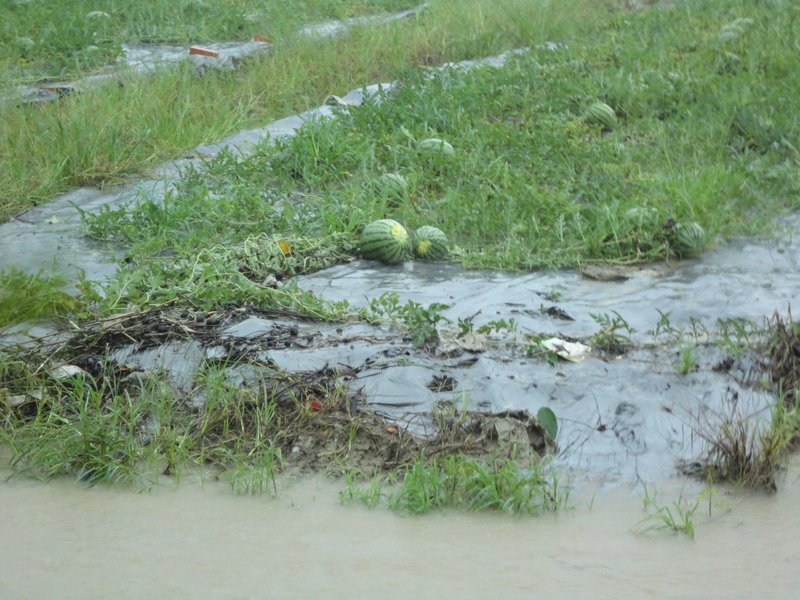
(243, 142)
(331, 29)
(147, 58)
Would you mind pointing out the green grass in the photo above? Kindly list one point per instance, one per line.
(675, 518)
(461, 482)
(25, 297)
(98, 136)
(104, 430)
(532, 182)
(53, 39)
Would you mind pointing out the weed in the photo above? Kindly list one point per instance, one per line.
(688, 360)
(25, 297)
(74, 431)
(741, 446)
(371, 495)
(737, 335)
(784, 360)
(254, 474)
(535, 348)
(498, 325)
(461, 482)
(664, 326)
(677, 518)
(615, 334)
(421, 321)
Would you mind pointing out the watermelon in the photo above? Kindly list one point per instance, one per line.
(602, 114)
(430, 243)
(436, 146)
(393, 186)
(385, 240)
(689, 238)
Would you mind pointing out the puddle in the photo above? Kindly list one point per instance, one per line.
(75, 542)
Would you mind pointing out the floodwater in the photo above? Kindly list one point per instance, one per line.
(63, 540)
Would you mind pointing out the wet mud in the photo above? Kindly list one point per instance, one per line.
(627, 417)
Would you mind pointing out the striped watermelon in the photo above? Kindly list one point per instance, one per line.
(430, 243)
(385, 240)
(393, 186)
(436, 146)
(602, 114)
(689, 238)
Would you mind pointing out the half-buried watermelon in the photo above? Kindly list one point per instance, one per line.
(689, 239)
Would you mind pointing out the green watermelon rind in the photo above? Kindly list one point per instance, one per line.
(436, 146)
(431, 244)
(385, 240)
(603, 114)
(689, 238)
(393, 185)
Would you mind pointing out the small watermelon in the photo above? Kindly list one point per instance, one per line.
(436, 146)
(689, 238)
(430, 243)
(393, 186)
(602, 114)
(385, 240)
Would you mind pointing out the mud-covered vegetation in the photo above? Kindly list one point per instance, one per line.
(99, 418)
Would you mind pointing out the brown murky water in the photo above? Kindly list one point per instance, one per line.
(61, 540)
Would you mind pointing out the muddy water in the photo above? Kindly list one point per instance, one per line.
(67, 541)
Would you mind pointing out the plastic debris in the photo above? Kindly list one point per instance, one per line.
(571, 351)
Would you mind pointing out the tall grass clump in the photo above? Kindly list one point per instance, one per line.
(109, 430)
(465, 483)
(25, 297)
